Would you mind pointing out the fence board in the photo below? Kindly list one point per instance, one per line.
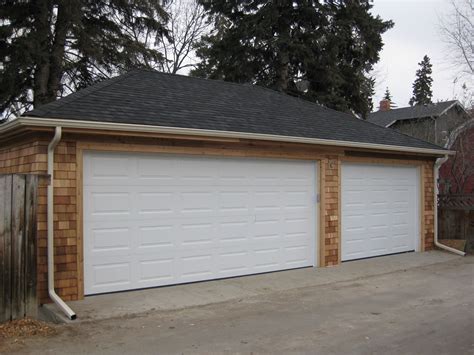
(18, 259)
(457, 224)
(5, 246)
(31, 307)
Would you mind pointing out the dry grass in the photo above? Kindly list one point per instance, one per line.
(24, 328)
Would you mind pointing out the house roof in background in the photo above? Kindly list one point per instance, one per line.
(387, 118)
(145, 97)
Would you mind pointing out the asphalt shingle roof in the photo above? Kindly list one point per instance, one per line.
(384, 118)
(152, 98)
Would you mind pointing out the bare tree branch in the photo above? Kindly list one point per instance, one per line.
(187, 24)
(457, 32)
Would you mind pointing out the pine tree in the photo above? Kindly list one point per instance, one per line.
(52, 47)
(331, 45)
(422, 93)
(387, 95)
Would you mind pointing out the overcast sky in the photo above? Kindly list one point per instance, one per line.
(415, 34)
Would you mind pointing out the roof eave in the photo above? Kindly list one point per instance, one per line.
(127, 127)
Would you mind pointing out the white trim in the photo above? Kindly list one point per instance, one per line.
(69, 123)
(451, 106)
(391, 123)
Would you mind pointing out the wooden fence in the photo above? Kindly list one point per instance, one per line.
(18, 200)
(456, 218)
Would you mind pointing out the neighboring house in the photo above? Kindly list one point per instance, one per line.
(433, 123)
(163, 179)
(457, 174)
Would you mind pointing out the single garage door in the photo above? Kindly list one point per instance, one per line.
(380, 210)
(152, 220)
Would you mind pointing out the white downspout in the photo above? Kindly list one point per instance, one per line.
(50, 218)
(438, 163)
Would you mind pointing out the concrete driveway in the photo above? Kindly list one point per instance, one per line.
(410, 304)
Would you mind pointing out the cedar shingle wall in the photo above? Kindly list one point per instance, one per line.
(428, 205)
(331, 210)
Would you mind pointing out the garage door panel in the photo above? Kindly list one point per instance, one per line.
(113, 238)
(196, 266)
(296, 254)
(182, 219)
(110, 203)
(154, 238)
(379, 244)
(233, 263)
(233, 231)
(102, 170)
(112, 274)
(155, 202)
(155, 272)
(107, 236)
(380, 210)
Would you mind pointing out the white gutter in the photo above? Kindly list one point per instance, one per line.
(50, 218)
(438, 163)
(126, 127)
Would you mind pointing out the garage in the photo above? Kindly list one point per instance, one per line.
(380, 210)
(158, 179)
(153, 220)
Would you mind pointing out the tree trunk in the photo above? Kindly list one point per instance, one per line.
(41, 74)
(282, 70)
(58, 48)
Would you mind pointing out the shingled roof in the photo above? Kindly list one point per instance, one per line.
(389, 117)
(151, 98)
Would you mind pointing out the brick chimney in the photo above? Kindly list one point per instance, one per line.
(384, 105)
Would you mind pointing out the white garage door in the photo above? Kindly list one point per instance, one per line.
(152, 220)
(380, 210)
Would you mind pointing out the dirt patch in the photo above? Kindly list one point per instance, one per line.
(25, 328)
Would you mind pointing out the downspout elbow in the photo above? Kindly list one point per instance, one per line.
(50, 221)
(438, 163)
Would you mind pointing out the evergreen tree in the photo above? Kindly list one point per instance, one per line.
(52, 47)
(387, 95)
(422, 93)
(330, 44)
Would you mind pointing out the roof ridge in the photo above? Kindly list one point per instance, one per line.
(193, 77)
(246, 85)
(415, 106)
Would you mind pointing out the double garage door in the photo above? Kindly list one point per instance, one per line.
(153, 220)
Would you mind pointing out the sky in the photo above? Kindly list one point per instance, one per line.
(414, 34)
